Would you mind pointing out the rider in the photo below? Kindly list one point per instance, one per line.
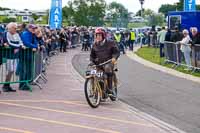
(102, 51)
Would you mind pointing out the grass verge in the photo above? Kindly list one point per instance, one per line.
(153, 55)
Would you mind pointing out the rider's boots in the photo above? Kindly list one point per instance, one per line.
(110, 89)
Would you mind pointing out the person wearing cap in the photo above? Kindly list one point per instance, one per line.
(27, 60)
(29, 37)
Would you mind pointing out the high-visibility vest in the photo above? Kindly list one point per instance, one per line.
(118, 38)
(140, 35)
(132, 35)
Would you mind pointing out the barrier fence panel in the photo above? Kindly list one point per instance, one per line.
(196, 55)
(17, 66)
(21, 66)
(174, 54)
(55, 48)
(39, 64)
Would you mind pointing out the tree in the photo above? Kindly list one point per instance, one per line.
(138, 13)
(8, 20)
(175, 7)
(166, 8)
(96, 12)
(2, 9)
(152, 17)
(35, 17)
(156, 19)
(85, 12)
(146, 12)
(119, 14)
(180, 5)
(198, 7)
(68, 13)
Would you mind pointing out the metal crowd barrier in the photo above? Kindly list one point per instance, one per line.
(21, 66)
(174, 55)
(39, 65)
(55, 48)
(196, 56)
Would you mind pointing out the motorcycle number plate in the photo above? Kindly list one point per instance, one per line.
(93, 72)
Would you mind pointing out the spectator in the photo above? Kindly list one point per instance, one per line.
(74, 39)
(185, 48)
(26, 64)
(195, 36)
(153, 36)
(161, 39)
(48, 41)
(168, 35)
(54, 40)
(1, 44)
(21, 28)
(126, 35)
(176, 35)
(91, 33)
(40, 38)
(63, 40)
(196, 49)
(140, 37)
(86, 41)
(13, 41)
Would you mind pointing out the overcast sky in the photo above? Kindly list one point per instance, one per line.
(132, 5)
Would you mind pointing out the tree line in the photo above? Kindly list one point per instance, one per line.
(99, 13)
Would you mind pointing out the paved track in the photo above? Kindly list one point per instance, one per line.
(166, 97)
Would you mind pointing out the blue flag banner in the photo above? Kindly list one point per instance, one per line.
(55, 18)
(189, 5)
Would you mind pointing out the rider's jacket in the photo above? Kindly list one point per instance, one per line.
(103, 52)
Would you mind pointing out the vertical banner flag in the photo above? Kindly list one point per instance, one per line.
(189, 5)
(55, 18)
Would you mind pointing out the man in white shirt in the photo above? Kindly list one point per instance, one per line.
(14, 42)
(161, 38)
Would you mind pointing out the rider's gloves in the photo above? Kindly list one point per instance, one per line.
(114, 61)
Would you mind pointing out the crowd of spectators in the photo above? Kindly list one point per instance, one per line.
(185, 41)
(19, 42)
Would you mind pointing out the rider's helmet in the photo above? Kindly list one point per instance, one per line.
(100, 31)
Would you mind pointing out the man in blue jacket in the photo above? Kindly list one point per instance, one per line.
(29, 38)
(27, 56)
